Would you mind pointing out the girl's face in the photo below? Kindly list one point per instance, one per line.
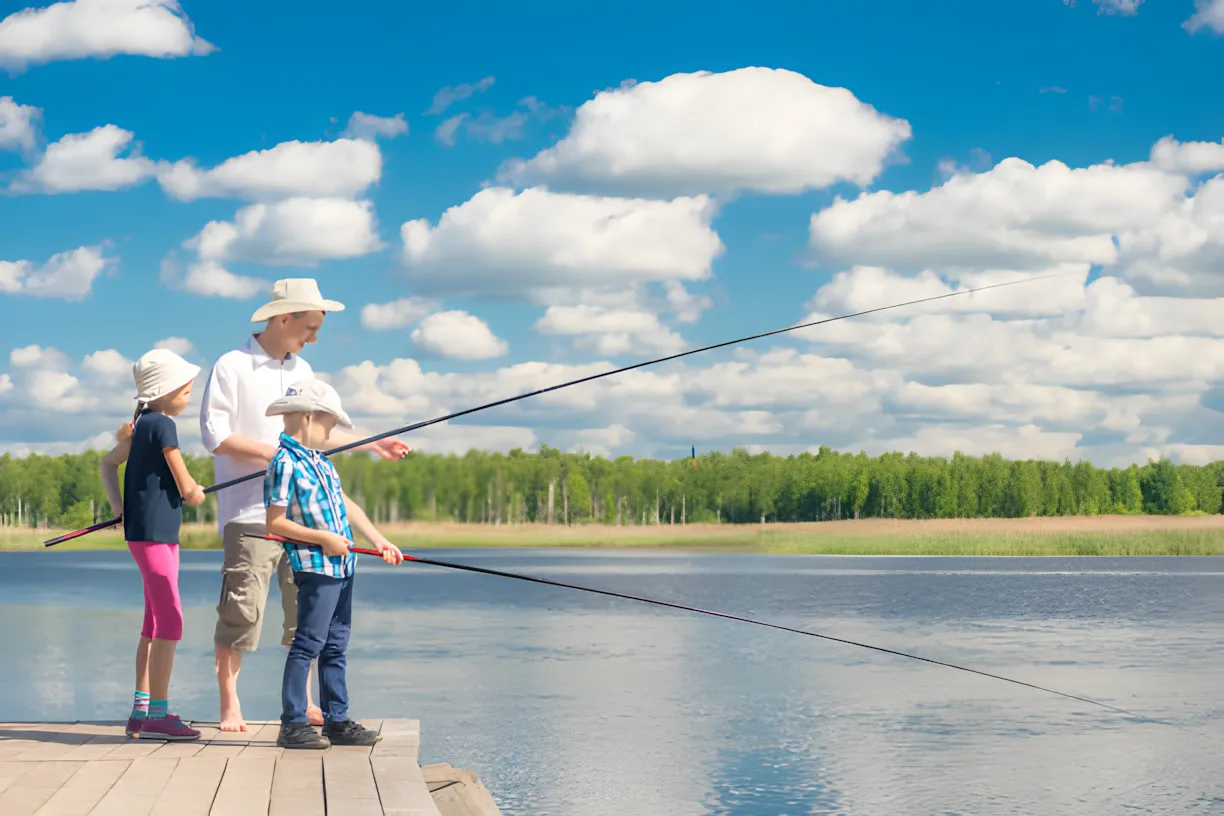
(176, 401)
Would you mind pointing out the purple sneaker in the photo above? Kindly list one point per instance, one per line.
(133, 728)
(171, 728)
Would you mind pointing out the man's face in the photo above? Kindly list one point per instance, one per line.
(302, 330)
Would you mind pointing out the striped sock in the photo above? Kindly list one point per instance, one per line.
(158, 709)
(140, 706)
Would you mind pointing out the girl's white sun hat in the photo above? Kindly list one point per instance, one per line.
(159, 372)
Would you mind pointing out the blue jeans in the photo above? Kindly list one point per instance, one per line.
(325, 616)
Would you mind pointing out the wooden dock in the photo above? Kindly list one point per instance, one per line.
(75, 769)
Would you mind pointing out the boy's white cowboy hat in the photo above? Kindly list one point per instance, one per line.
(160, 371)
(291, 295)
(309, 396)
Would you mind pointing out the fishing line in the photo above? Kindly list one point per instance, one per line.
(418, 425)
(518, 577)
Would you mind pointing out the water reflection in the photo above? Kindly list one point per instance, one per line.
(576, 705)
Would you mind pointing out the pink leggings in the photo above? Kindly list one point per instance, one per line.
(159, 566)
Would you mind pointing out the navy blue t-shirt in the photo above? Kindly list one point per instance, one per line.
(152, 506)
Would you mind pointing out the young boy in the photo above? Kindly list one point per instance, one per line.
(306, 506)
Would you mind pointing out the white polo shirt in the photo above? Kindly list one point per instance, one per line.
(241, 386)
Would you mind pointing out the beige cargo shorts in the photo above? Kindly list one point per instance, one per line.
(246, 574)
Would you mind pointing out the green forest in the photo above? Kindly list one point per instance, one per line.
(736, 488)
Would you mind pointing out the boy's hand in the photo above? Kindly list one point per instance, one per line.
(195, 498)
(390, 553)
(336, 544)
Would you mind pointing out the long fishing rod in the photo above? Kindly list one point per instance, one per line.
(728, 616)
(507, 400)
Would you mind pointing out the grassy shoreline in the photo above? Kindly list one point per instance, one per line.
(1068, 536)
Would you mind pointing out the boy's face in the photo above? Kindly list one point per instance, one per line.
(318, 430)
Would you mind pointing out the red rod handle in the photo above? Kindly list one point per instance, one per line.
(360, 550)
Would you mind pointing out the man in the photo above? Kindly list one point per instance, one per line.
(241, 386)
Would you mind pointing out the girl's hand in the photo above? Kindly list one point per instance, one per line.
(336, 544)
(390, 553)
(195, 498)
(125, 432)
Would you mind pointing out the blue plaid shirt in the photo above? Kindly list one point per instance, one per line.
(306, 484)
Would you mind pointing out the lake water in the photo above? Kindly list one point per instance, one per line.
(572, 704)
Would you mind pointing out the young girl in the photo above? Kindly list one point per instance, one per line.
(156, 485)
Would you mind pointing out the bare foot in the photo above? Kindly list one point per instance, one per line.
(315, 715)
(232, 721)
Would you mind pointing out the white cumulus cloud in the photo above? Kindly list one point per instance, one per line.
(1207, 14)
(1191, 158)
(211, 279)
(295, 231)
(80, 29)
(502, 241)
(18, 125)
(1014, 216)
(87, 161)
(179, 345)
(367, 126)
(769, 130)
(398, 314)
(66, 275)
(611, 332)
(343, 168)
(458, 335)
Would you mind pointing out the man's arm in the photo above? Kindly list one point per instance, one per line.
(217, 407)
(389, 448)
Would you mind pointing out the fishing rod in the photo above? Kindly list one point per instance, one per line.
(519, 577)
(507, 400)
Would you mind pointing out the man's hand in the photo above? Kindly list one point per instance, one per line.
(390, 449)
(390, 553)
(336, 544)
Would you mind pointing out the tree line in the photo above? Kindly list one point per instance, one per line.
(735, 488)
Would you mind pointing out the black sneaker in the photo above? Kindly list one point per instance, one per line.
(300, 735)
(349, 733)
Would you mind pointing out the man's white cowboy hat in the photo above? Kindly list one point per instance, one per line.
(307, 397)
(159, 372)
(291, 295)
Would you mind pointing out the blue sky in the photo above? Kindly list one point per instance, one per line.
(977, 83)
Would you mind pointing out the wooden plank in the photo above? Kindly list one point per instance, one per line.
(215, 750)
(402, 788)
(98, 747)
(297, 785)
(349, 781)
(191, 788)
(263, 744)
(84, 789)
(178, 750)
(457, 791)
(135, 749)
(246, 787)
(32, 789)
(394, 765)
(401, 739)
(42, 741)
(10, 769)
(135, 793)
